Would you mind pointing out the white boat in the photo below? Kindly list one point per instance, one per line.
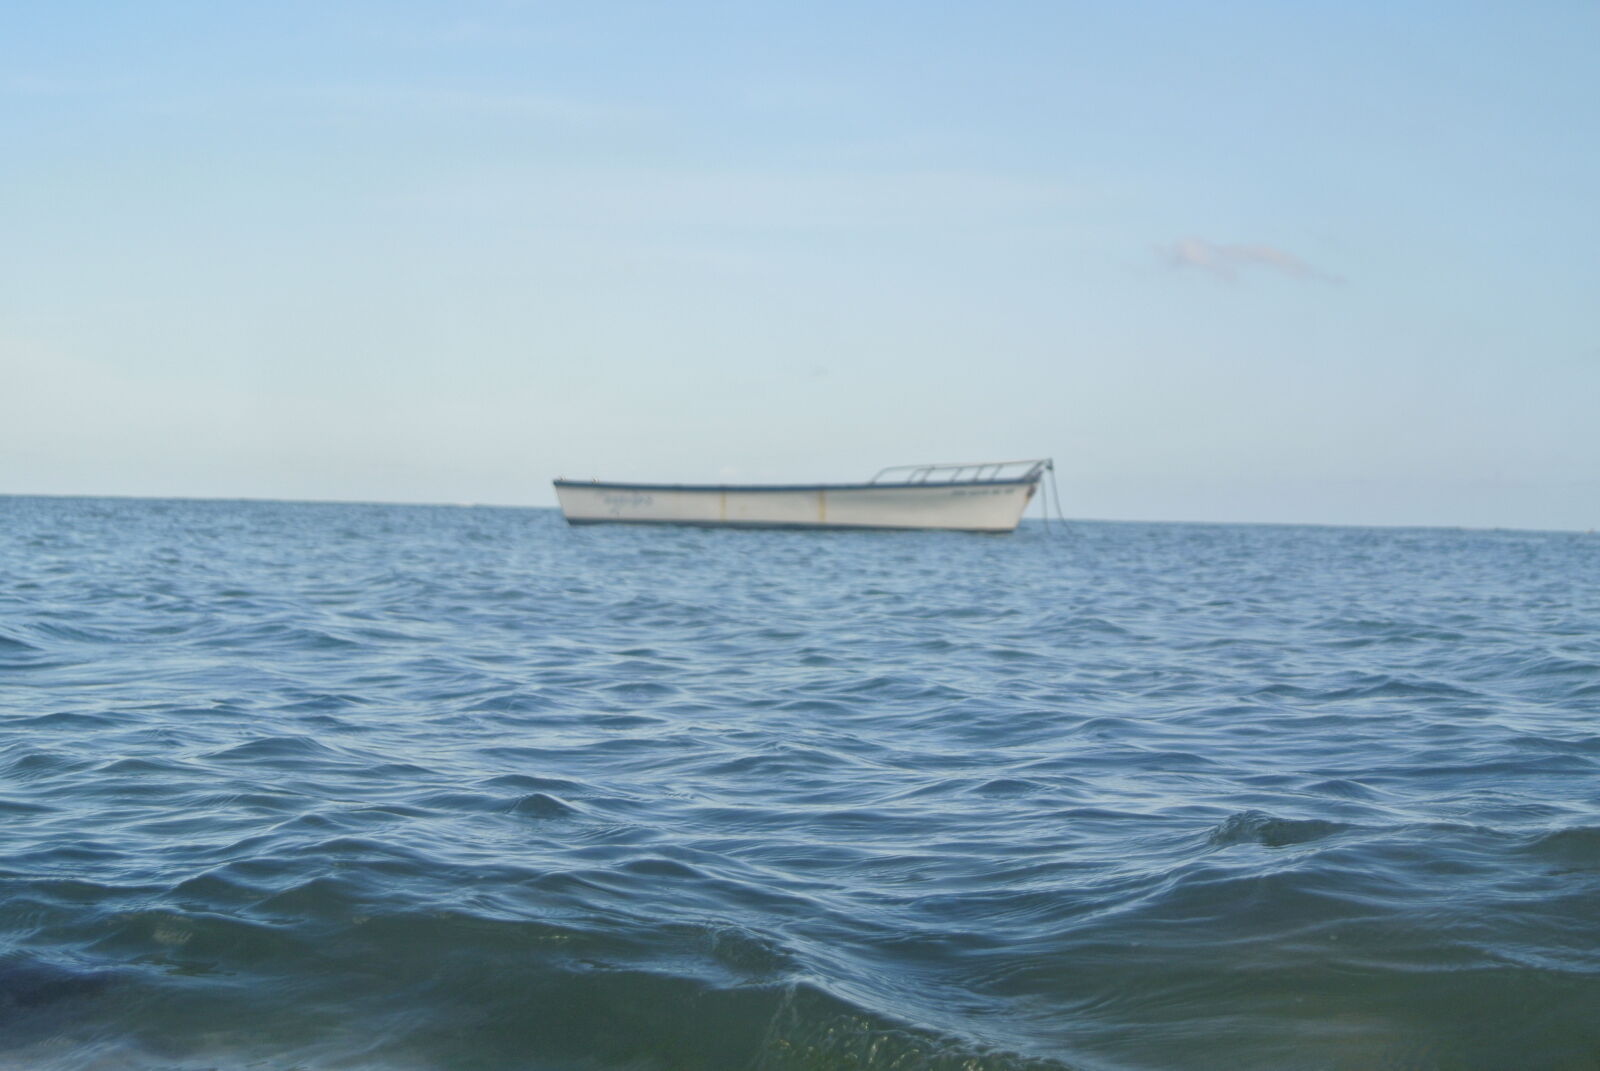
(987, 496)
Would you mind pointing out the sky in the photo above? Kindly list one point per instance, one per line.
(1275, 262)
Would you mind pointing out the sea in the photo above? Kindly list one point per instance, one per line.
(308, 786)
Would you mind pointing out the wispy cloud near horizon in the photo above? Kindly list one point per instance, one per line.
(1226, 261)
(448, 103)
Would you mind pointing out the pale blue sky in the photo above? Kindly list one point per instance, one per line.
(1254, 262)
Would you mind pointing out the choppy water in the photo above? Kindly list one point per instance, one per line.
(336, 786)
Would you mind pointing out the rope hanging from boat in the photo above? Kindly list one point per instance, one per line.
(1055, 496)
(1045, 500)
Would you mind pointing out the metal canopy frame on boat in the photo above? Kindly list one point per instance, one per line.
(981, 470)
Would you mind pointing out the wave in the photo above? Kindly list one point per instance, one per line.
(1269, 831)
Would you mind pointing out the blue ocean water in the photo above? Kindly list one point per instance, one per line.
(316, 786)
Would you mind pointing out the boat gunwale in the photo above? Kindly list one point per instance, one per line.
(786, 526)
(769, 487)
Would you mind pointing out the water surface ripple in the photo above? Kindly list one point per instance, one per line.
(315, 786)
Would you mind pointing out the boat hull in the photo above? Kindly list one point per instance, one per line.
(994, 506)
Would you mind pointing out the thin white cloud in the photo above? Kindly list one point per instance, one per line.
(626, 199)
(447, 102)
(28, 85)
(1227, 261)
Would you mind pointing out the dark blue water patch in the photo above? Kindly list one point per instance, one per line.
(1255, 827)
(329, 786)
(1574, 846)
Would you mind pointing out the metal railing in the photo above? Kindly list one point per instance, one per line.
(1029, 469)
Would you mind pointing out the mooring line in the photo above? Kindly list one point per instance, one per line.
(1055, 494)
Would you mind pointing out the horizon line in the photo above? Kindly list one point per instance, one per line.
(1035, 520)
